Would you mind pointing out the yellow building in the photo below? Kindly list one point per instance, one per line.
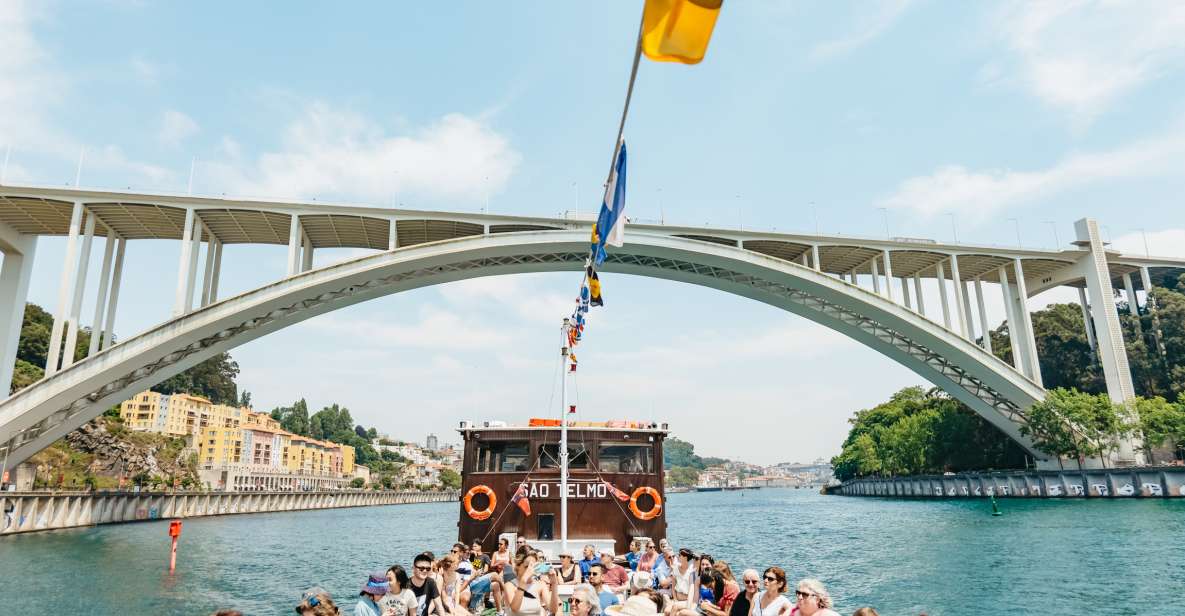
(177, 414)
(221, 446)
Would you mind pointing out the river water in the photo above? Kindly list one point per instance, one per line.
(903, 557)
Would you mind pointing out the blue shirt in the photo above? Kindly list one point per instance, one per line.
(367, 607)
(631, 558)
(585, 563)
(661, 570)
(607, 598)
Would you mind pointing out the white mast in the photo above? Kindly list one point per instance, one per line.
(564, 440)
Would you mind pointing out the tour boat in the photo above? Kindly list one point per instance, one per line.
(606, 491)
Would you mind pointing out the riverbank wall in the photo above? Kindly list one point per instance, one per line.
(25, 512)
(1144, 482)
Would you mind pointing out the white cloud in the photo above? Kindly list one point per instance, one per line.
(874, 20)
(1082, 56)
(328, 152)
(979, 194)
(32, 87)
(176, 127)
(436, 329)
(1162, 243)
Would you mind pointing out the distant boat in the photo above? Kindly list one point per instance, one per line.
(708, 489)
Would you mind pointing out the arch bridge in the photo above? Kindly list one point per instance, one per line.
(871, 290)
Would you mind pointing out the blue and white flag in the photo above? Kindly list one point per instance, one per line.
(610, 227)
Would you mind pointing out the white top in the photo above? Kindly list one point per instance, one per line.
(530, 606)
(402, 604)
(777, 606)
(685, 581)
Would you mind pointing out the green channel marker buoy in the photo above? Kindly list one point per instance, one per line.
(996, 507)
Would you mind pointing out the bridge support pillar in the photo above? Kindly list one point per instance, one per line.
(294, 246)
(983, 321)
(179, 305)
(961, 311)
(942, 294)
(815, 263)
(1026, 322)
(917, 291)
(15, 273)
(1112, 350)
(69, 348)
(65, 284)
(1094, 345)
(104, 288)
(1150, 303)
(216, 274)
(876, 277)
(208, 270)
(905, 293)
(113, 296)
(1014, 342)
(888, 276)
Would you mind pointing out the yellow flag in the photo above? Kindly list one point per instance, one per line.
(678, 30)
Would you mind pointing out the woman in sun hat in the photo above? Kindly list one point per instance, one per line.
(372, 592)
(569, 572)
(316, 602)
(637, 605)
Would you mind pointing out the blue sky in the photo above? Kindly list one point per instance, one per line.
(939, 112)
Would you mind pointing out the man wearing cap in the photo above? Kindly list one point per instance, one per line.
(372, 592)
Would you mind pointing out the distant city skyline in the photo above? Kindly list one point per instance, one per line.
(996, 123)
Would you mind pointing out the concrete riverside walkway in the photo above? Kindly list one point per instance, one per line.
(25, 512)
(1135, 482)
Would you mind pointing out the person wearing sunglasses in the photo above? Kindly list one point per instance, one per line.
(522, 593)
(812, 599)
(751, 585)
(424, 587)
(770, 601)
(584, 601)
(649, 556)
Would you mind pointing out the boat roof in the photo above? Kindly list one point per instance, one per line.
(544, 425)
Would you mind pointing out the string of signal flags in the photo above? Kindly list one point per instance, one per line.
(671, 31)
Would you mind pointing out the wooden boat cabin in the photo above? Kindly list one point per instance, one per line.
(511, 484)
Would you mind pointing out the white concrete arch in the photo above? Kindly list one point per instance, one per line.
(45, 411)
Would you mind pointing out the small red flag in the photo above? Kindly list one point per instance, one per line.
(621, 496)
(520, 499)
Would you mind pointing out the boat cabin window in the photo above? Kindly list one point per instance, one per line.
(502, 456)
(626, 458)
(549, 455)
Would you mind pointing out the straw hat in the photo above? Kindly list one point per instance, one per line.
(634, 606)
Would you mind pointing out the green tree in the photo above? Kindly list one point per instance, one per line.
(676, 452)
(919, 431)
(1161, 422)
(1075, 424)
(357, 482)
(213, 379)
(450, 479)
(684, 476)
(295, 418)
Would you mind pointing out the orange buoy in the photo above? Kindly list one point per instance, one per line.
(484, 513)
(654, 511)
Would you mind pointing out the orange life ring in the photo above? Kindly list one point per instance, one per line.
(484, 513)
(654, 511)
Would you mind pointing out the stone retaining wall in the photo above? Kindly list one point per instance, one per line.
(35, 511)
(1144, 482)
